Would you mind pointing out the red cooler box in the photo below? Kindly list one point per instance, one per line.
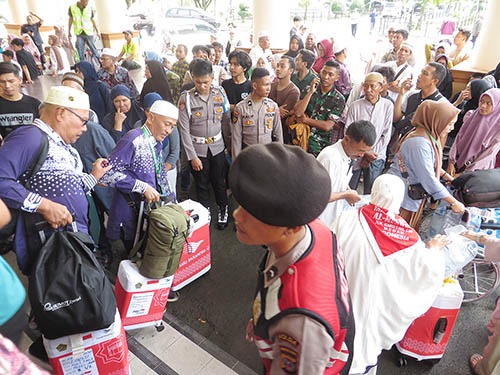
(195, 259)
(428, 336)
(98, 352)
(141, 301)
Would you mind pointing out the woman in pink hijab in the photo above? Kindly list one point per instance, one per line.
(30, 46)
(8, 47)
(478, 141)
(325, 53)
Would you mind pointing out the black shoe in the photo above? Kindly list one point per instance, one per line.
(222, 217)
(37, 350)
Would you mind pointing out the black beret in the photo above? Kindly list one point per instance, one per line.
(280, 185)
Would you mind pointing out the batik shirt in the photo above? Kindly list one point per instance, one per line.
(324, 107)
(180, 68)
(120, 76)
(133, 168)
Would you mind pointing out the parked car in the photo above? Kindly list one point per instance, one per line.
(199, 14)
(142, 22)
(185, 31)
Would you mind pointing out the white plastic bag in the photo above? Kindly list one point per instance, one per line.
(459, 252)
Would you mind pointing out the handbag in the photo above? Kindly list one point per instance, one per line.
(417, 192)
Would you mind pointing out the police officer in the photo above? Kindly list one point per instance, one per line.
(257, 118)
(202, 111)
(302, 317)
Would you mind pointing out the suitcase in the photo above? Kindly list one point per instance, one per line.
(141, 301)
(195, 259)
(104, 351)
(429, 334)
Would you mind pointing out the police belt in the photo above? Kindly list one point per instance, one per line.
(207, 140)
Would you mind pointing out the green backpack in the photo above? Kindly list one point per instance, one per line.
(162, 244)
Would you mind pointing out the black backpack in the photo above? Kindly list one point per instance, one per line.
(68, 288)
(7, 232)
(480, 188)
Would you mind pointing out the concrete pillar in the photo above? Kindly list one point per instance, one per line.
(111, 22)
(39, 7)
(486, 53)
(19, 10)
(273, 16)
(111, 15)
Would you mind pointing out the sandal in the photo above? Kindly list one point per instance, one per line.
(473, 362)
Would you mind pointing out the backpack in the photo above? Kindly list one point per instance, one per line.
(480, 188)
(68, 289)
(162, 244)
(7, 232)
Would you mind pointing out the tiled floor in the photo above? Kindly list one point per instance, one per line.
(176, 354)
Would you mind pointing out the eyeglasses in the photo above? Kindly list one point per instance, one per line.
(169, 124)
(77, 115)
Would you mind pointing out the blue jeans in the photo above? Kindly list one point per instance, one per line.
(370, 173)
(80, 46)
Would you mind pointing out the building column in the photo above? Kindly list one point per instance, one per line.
(111, 22)
(19, 10)
(273, 16)
(485, 55)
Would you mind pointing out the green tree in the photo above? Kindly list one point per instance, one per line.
(356, 5)
(243, 12)
(203, 4)
(304, 4)
(336, 7)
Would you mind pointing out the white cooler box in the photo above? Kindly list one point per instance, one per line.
(141, 301)
(98, 352)
(195, 259)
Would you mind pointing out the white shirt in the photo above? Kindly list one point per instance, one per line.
(380, 115)
(406, 73)
(338, 165)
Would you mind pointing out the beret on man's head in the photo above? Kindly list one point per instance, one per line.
(280, 185)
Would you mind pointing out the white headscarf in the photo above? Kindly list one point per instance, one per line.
(388, 192)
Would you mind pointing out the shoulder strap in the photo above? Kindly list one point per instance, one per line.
(188, 105)
(400, 72)
(37, 163)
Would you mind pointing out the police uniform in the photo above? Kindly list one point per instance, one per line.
(200, 125)
(302, 316)
(255, 122)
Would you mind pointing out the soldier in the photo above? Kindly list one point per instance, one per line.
(202, 111)
(257, 118)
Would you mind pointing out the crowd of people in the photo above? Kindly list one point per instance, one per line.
(288, 137)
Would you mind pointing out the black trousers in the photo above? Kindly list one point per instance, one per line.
(214, 173)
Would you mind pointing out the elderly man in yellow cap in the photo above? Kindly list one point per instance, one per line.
(41, 174)
(138, 174)
(379, 111)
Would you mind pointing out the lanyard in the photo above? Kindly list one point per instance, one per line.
(430, 135)
(155, 159)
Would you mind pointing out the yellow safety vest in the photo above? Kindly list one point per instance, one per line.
(82, 20)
